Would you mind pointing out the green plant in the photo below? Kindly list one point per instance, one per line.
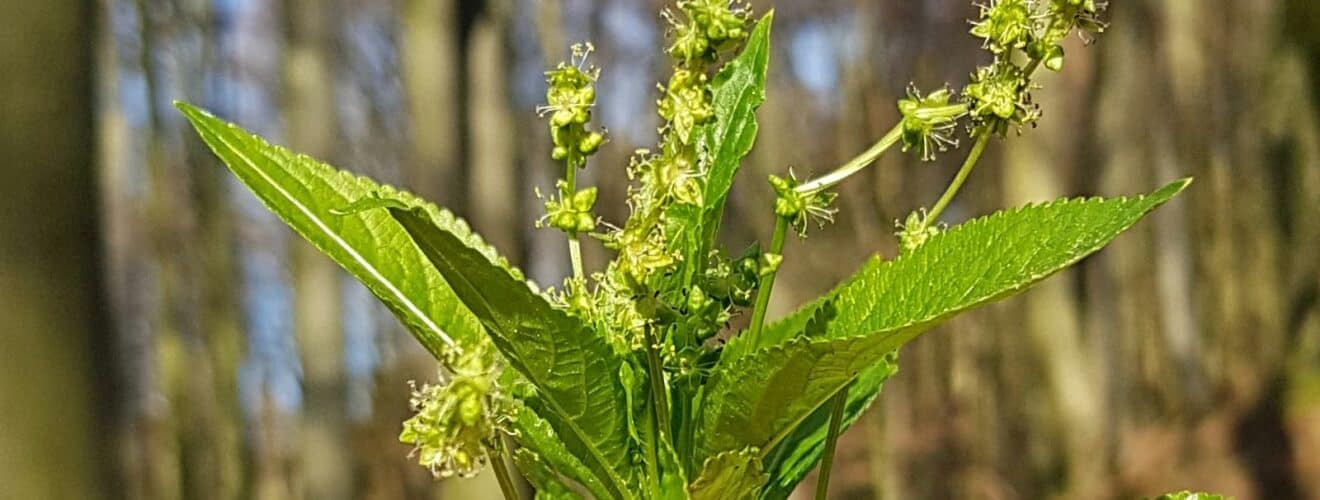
(614, 384)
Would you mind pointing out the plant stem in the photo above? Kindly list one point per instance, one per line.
(854, 165)
(574, 246)
(575, 255)
(982, 137)
(840, 401)
(653, 454)
(768, 281)
(502, 471)
(657, 378)
(659, 408)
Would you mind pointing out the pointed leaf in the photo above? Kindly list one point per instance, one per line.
(373, 248)
(760, 398)
(574, 370)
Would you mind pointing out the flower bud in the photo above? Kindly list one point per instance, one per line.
(591, 143)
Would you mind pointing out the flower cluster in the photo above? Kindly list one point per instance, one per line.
(1036, 26)
(570, 95)
(570, 211)
(641, 288)
(928, 121)
(1006, 25)
(999, 95)
(800, 208)
(916, 230)
(686, 103)
(710, 27)
(457, 419)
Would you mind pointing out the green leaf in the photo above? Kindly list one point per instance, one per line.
(673, 481)
(574, 370)
(732, 475)
(760, 398)
(539, 439)
(799, 453)
(739, 89)
(373, 248)
(542, 477)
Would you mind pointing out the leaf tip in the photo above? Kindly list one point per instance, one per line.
(1172, 189)
(187, 108)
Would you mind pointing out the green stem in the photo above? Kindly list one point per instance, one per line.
(982, 137)
(659, 408)
(854, 165)
(575, 255)
(767, 282)
(497, 463)
(840, 401)
(653, 454)
(574, 245)
(656, 375)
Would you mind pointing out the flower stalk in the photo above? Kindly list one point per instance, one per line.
(768, 270)
(499, 464)
(982, 138)
(837, 405)
(854, 165)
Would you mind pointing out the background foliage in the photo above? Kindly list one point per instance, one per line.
(144, 295)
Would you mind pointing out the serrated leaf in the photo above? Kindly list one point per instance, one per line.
(373, 248)
(738, 90)
(732, 475)
(760, 398)
(575, 372)
(809, 320)
(538, 438)
(799, 453)
(542, 477)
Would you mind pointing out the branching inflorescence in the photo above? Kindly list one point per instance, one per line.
(633, 382)
(661, 324)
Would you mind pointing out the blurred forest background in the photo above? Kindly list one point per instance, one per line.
(163, 337)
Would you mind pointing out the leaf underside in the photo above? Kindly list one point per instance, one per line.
(760, 397)
(732, 475)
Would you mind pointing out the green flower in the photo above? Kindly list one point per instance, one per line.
(915, 231)
(570, 94)
(568, 211)
(457, 419)
(710, 26)
(686, 103)
(998, 96)
(1005, 25)
(801, 208)
(1064, 15)
(927, 121)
